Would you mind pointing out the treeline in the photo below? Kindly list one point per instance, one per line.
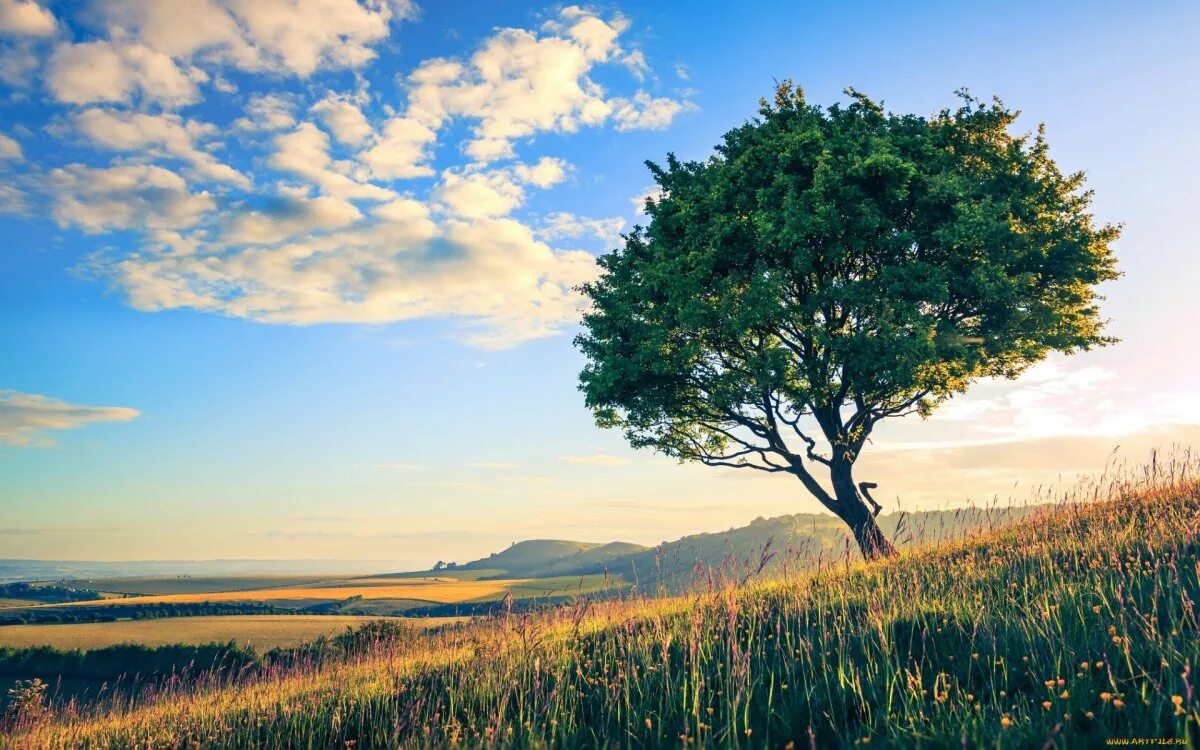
(46, 593)
(114, 612)
(129, 661)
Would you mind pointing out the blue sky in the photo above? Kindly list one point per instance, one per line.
(286, 282)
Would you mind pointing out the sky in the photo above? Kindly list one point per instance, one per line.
(288, 279)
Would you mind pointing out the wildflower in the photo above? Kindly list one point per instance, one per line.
(1178, 701)
(1118, 703)
(1096, 609)
(649, 724)
(1046, 705)
(749, 731)
(1005, 722)
(1090, 715)
(1099, 665)
(1065, 695)
(1106, 697)
(1083, 665)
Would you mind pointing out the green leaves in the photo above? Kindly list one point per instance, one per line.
(838, 266)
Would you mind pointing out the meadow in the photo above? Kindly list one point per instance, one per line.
(1073, 626)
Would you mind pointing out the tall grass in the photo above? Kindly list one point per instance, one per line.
(1074, 625)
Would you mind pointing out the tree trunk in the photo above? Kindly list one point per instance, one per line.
(851, 509)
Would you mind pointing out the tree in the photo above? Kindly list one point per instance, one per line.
(829, 268)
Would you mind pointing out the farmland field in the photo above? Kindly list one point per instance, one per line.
(410, 591)
(259, 631)
(156, 585)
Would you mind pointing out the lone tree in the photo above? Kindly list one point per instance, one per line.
(829, 268)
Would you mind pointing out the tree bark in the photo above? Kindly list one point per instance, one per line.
(851, 509)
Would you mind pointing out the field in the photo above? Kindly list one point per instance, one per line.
(263, 632)
(1073, 626)
(414, 591)
(198, 584)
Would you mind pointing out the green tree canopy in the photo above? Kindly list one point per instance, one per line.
(828, 268)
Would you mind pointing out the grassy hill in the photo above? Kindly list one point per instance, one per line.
(1061, 630)
(765, 546)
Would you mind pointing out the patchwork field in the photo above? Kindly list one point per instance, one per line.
(259, 631)
(157, 585)
(297, 592)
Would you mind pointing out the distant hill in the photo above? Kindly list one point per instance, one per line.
(766, 545)
(540, 558)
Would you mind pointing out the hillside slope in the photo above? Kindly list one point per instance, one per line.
(1060, 631)
(764, 546)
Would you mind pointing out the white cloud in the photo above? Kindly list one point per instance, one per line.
(290, 217)
(280, 36)
(1049, 399)
(495, 192)
(519, 83)
(635, 61)
(644, 112)
(24, 417)
(328, 236)
(124, 197)
(545, 174)
(399, 265)
(103, 71)
(267, 112)
(651, 193)
(599, 459)
(305, 152)
(478, 194)
(401, 150)
(157, 136)
(10, 149)
(344, 120)
(13, 201)
(563, 225)
(18, 65)
(26, 18)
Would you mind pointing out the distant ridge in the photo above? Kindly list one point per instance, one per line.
(764, 545)
(551, 557)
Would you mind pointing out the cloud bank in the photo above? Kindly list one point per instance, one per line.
(319, 200)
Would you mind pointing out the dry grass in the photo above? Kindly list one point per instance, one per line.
(1074, 626)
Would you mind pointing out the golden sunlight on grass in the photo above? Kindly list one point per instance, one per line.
(1076, 624)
